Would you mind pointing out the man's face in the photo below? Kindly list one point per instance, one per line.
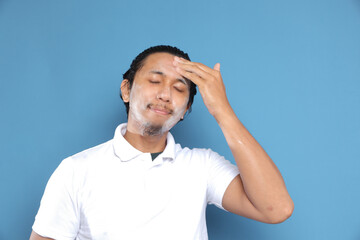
(158, 97)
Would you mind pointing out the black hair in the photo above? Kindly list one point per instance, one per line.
(139, 61)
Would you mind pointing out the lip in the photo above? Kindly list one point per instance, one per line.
(160, 110)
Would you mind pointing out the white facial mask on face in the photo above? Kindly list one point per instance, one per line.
(142, 125)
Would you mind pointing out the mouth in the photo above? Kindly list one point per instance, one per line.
(160, 109)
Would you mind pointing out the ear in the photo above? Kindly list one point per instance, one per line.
(125, 90)
(187, 108)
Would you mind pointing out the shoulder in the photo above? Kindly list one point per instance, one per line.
(91, 154)
(74, 171)
(203, 155)
(203, 158)
(87, 158)
(196, 151)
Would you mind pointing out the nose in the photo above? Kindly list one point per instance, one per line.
(164, 94)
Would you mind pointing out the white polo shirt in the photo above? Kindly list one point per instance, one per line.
(114, 191)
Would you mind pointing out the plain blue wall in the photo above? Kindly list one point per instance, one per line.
(292, 71)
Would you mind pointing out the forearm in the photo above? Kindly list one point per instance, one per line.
(262, 181)
(260, 193)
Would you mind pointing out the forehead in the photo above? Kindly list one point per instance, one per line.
(162, 62)
(159, 57)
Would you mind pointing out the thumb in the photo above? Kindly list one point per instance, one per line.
(217, 67)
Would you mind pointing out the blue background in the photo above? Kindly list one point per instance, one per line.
(292, 71)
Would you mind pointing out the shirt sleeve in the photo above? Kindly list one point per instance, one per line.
(220, 174)
(58, 215)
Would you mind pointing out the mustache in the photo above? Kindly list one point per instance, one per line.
(160, 106)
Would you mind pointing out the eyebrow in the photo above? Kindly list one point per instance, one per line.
(163, 74)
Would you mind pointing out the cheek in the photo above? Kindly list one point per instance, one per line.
(135, 97)
(181, 103)
(141, 93)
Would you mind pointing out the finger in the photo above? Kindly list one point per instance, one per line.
(181, 61)
(217, 67)
(195, 69)
(195, 78)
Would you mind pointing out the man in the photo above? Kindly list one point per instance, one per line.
(141, 185)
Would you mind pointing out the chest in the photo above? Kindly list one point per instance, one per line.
(135, 198)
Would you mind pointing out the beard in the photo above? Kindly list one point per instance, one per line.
(151, 129)
(154, 129)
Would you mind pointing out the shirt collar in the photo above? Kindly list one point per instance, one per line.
(126, 152)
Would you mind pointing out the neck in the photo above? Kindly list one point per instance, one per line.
(146, 143)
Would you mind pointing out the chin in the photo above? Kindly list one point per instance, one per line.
(153, 129)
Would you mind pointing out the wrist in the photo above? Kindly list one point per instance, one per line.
(224, 113)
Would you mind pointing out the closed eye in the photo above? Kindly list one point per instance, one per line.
(179, 89)
(154, 81)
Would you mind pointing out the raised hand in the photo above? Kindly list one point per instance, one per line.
(259, 192)
(209, 82)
